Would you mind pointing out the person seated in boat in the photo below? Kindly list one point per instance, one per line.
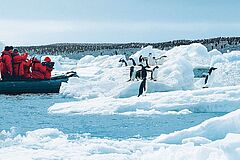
(26, 67)
(6, 69)
(38, 70)
(17, 63)
(49, 67)
(0, 67)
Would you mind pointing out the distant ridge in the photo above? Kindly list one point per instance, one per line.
(223, 44)
(157, 44)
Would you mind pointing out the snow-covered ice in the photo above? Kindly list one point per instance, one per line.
(195, 53)
(102, 85)
(216, 138)
(174, 92)
(219, 99)
(228, 70)
(102, 89)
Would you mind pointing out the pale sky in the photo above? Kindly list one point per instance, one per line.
(36, 22)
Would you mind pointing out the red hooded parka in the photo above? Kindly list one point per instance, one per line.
(6, 70)
(38, 70)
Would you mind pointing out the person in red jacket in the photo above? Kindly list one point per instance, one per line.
(26, 67)
(49, 67)
(38, 70)
(6, 70)
(1, 67)
(17, 62)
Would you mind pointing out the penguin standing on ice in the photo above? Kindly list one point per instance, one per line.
(133, 61)
(209, 73)
(123, 61)
(146, 60)
(138, 74)
(143, 87)
(154, 73)
(132, 74)
(140, 59)
(150, 59)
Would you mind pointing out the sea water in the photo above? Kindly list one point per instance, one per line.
(30, 112)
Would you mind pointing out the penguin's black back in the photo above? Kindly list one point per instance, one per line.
(144, 73)
(142, 87)
(131, 71)
(210, 70)
(133, 61)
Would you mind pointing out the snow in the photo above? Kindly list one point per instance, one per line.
(214, 52)
(228, 70)
(212, 129)
(195, 53)
(216, 138)
(219, 99)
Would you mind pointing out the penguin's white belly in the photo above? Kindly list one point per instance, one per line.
(155, 74)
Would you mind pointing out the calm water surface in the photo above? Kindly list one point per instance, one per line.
(29, 112)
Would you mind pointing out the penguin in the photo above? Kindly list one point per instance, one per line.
(132, 75)
(142, 87)
(140, 59)
(138, 74)
(133, 61)
(144, 72)
(154, 73)
(151, 59)
(123, 61)
(141, 74)
(210, 70)
(146, 60)
(209, 73)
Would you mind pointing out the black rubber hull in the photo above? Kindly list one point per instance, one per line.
(34, 86)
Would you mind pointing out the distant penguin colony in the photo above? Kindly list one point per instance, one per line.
(143, 87)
